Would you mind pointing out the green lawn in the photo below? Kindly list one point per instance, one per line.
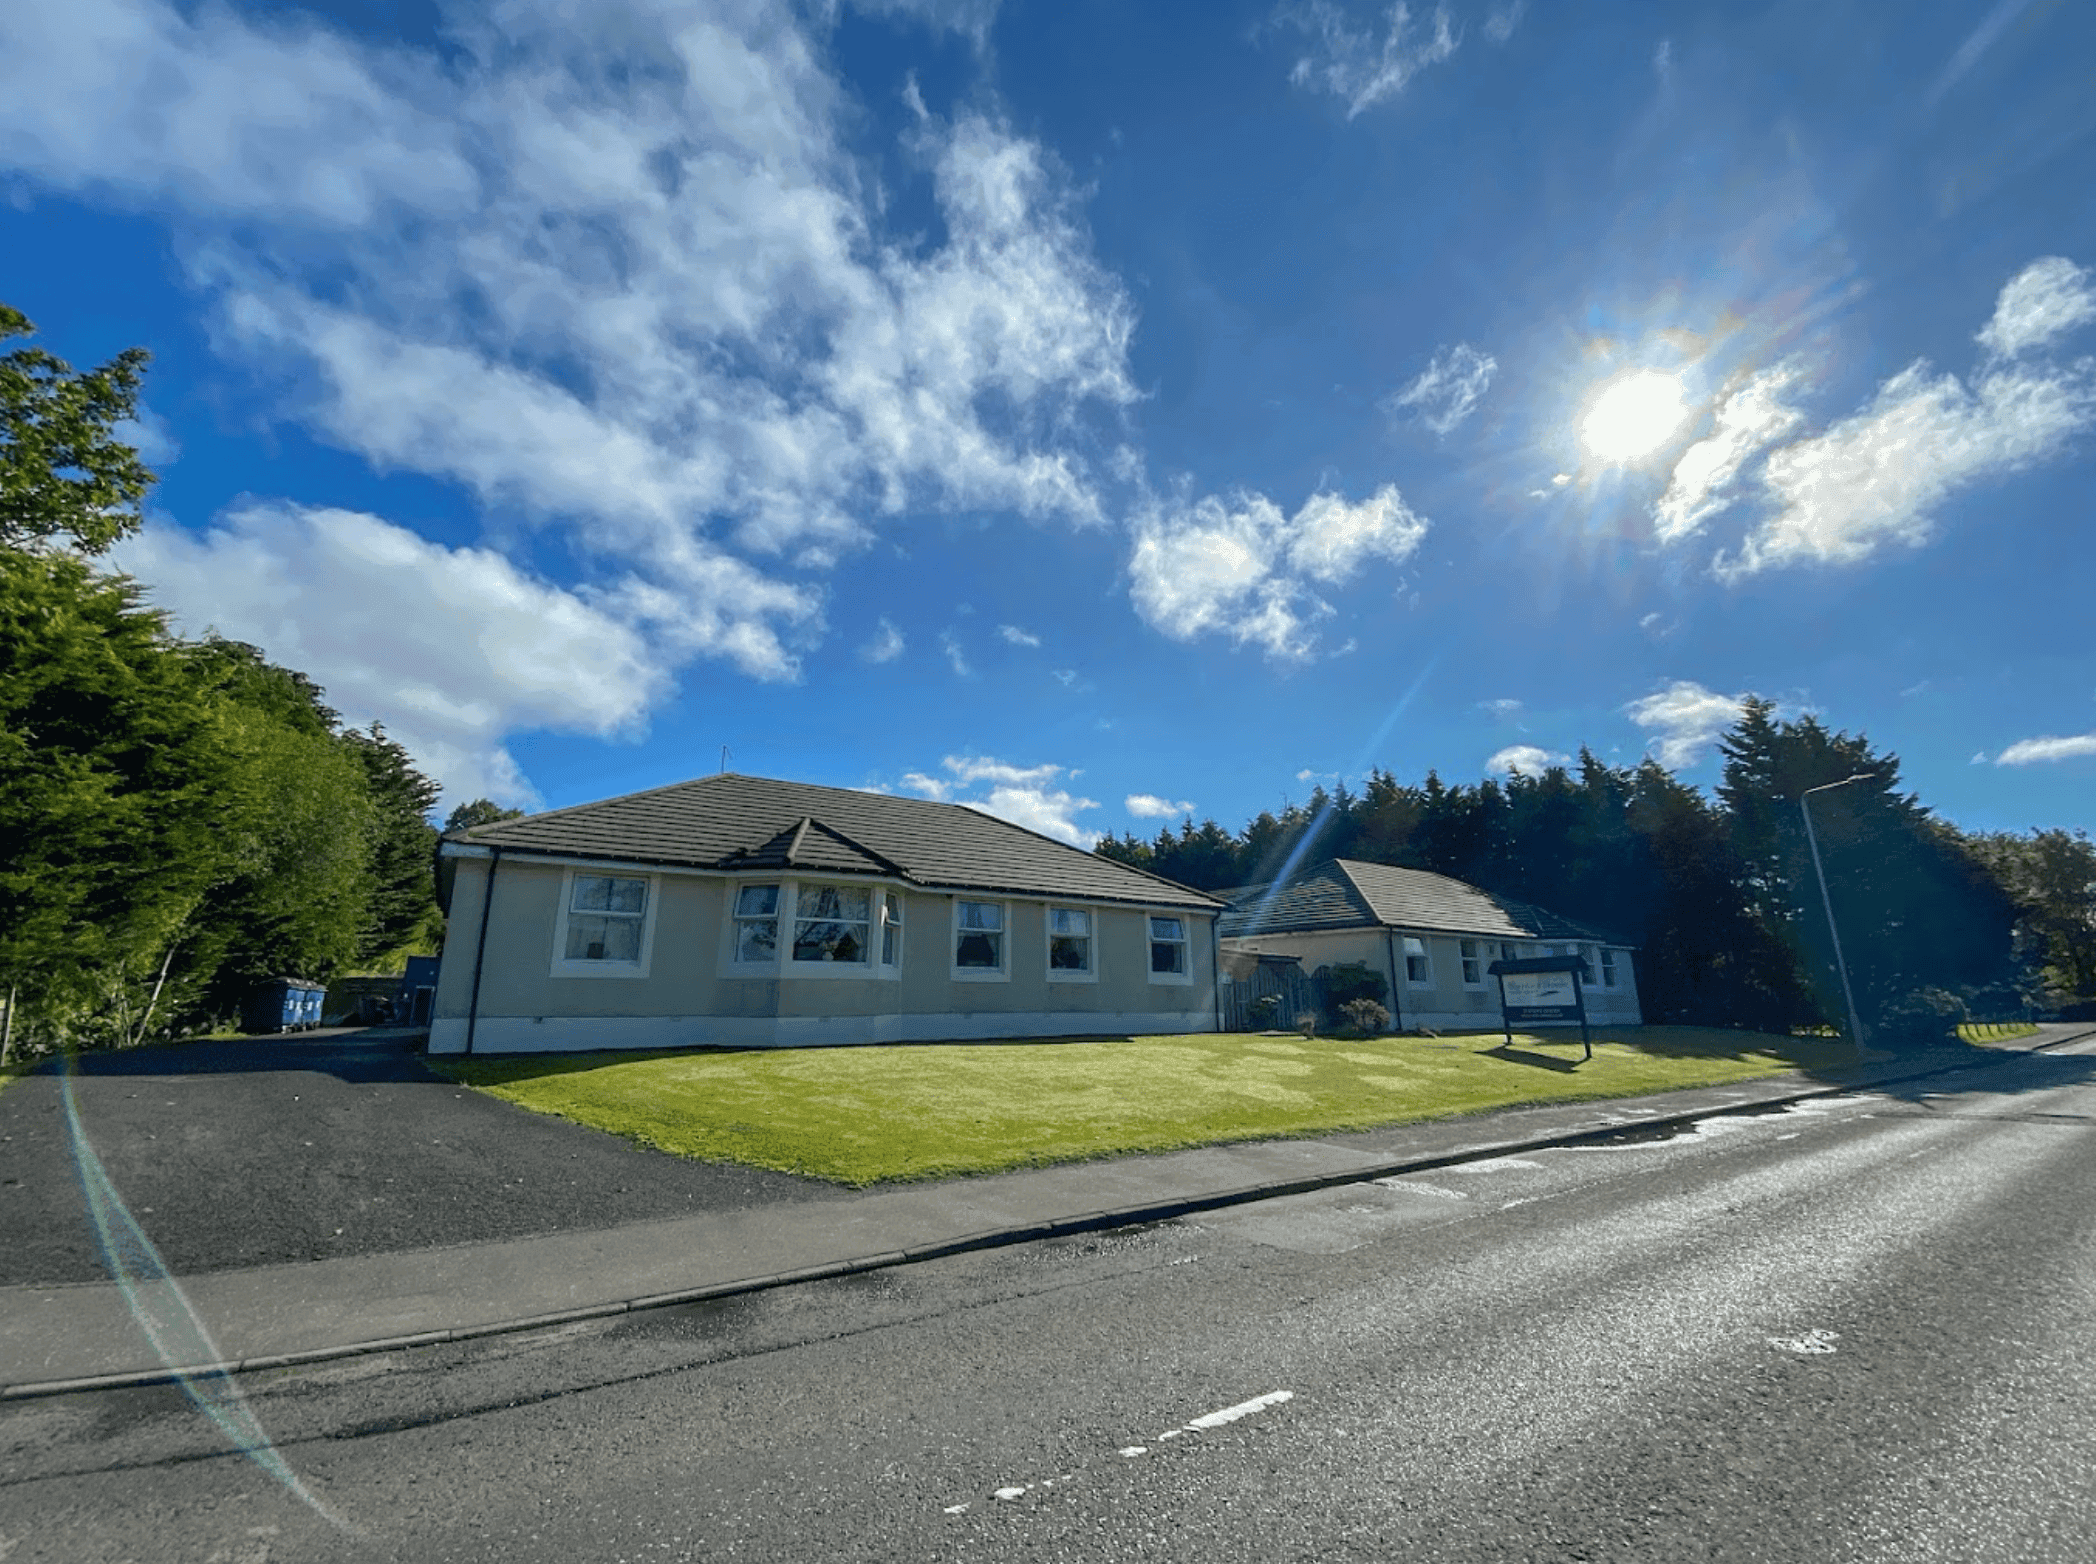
(862, 1116)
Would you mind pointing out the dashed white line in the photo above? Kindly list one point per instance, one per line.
(1272, 1398)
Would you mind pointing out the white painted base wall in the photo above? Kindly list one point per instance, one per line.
(591, 1034)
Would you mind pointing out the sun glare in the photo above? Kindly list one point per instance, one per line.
(1635, 414)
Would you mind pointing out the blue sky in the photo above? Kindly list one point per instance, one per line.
(1100, 410)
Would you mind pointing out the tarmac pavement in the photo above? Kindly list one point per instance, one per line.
(148, 1325)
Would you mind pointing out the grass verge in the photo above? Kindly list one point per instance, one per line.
(1995, 1031)
(860, 1116)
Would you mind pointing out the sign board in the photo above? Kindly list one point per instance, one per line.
(1543, 991)
(1534, 998)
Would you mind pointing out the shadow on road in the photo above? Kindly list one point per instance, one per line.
(369, 1057)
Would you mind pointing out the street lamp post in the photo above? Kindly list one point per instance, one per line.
(1840, 963)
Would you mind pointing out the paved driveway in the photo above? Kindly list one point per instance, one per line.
(269, 1150)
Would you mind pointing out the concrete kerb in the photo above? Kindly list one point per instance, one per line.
(989, 1238)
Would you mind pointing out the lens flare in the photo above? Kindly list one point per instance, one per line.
(1635, 414)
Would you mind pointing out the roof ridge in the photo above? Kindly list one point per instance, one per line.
(856, 846)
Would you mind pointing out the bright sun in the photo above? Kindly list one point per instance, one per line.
(1635, 414)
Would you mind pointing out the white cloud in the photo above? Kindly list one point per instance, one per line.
(1500, 25)
(450, 648)
(2047, 299)
(627, 279)
(1448, 390)
(2028, 752)
(1684, 719)
(1017, 636)
(1506, 708)
(1024, 795)
(1364, 64)
(886, 644)
(150, 436)
(1064, 676)
(1148, 806)
(1238, 567)
(1874, 478)
(1747, 421)
(1526, 758)
(956, 654)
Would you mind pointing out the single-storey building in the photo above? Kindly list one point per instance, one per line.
(755, 913)
(1433, 939)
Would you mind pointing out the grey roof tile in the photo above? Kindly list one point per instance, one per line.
(737, 822)
(1344, 893)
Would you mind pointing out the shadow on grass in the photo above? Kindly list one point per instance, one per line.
(1541, 1061)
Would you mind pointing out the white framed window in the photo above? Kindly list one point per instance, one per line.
(1419, 971)
(833, 924)
(756, 926)
(1608, 967)
(1473, 963)
(978, 940)
(1170, 950)
(1592, 974)
(1070, 945)
(891, 929)
(606, 925)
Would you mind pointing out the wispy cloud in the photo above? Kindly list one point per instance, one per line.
(1529, 759)
(1684, 719)
(1149, 806)
(1363, 63)
(1017, 636)
(1505, 708)
(885, 645)
(1025, 795)
(956, 654)
(2047, 299)
(2032, 752)
(1500, 25)
(1875, 478)
(451, 648)
(1448, 390)
(1241, 567)
(1748, 419)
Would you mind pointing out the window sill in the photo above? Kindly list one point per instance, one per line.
(980, 975)
(600, 969)
(1064, 975)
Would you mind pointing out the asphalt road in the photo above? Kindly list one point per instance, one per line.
(274, 1150)
(1859, 1329)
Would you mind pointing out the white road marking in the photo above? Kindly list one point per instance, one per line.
(1132, 1451)
(1793, 1135)
(1242, 1409)
(1008, 1494)
(1811, 1342)
(956, 1509)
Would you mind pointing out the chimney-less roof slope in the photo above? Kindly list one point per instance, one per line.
(1345, 893)
(737, 822)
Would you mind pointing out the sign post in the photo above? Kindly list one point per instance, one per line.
(1544, 991)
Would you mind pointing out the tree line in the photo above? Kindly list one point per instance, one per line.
(179, 819)
(1719, 894)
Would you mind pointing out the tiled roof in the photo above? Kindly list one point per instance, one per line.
(1345, 894)
(737, 822)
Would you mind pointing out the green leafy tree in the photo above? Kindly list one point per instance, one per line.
(2051, 877)
(1916, 908)
(119, 791)
(64, 476)
(485, 811)
(402, 917)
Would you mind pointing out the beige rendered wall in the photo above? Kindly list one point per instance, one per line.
(1444, 1003)
(686, 998)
